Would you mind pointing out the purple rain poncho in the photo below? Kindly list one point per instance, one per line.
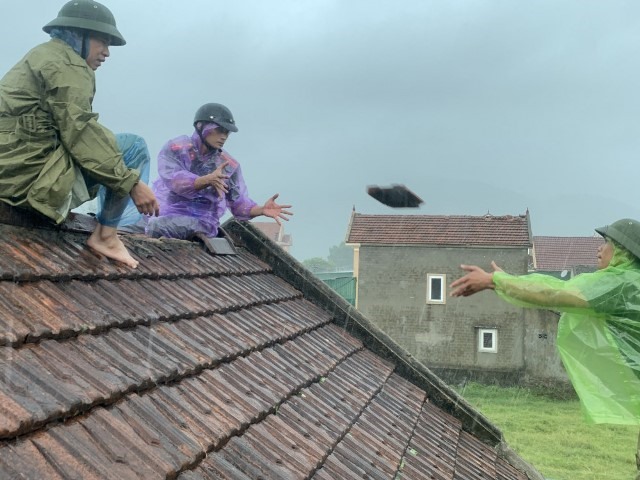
(598, 334)
(184, 210)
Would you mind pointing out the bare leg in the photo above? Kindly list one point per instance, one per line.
(105, 241)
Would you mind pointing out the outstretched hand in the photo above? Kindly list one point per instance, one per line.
(275, 211)
(474, 281)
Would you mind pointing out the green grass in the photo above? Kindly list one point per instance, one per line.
(553, 437)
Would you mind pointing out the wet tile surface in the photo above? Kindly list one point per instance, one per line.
(197, 366)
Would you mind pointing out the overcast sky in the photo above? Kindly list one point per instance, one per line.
(477, 106)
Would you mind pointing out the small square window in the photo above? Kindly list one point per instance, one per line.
(436, 286)
(488, 340)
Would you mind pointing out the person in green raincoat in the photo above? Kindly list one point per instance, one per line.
(54, 155)
(599, 330)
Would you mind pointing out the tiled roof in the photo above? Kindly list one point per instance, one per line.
(196, 366)
(560, 253)
(449, 230)
(270, 229)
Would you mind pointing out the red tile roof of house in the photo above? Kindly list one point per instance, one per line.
(450, 230)
(560, 253)
(196, 366)
(270, 229)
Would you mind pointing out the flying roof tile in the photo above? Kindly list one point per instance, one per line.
(196, 366)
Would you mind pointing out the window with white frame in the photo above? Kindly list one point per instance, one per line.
(488, 340)
(436, 284)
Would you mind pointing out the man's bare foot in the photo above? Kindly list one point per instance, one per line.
(105, 241)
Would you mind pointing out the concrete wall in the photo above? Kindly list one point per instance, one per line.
(392, 292)
(543, 363)
(542, 366)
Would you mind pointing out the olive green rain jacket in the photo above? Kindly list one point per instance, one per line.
(598, 334)
(50, 138)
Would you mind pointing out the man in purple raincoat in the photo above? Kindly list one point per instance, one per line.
(198, 181)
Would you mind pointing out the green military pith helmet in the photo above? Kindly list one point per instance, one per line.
(626, 232)
(216, 113)
(87, 15)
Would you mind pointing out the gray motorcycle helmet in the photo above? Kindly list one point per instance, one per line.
(87, 15)
(216, 113)
(626, 232)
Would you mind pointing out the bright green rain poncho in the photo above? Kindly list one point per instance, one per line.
(598, 334)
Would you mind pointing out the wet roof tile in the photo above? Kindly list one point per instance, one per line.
(197, 366)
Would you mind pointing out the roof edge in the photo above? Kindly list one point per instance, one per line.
(507, 453)
(23, 217)
(442, 245)
(348, 233)
(346, 316)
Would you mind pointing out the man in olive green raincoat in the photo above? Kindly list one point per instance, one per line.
(54, 155)
(599, 330)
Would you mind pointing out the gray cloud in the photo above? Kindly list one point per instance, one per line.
(476, 106)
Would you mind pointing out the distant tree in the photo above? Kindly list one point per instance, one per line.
(341, 256)
(318, 265)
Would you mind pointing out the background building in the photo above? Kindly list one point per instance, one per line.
(565, 257)
(404, 265)
(275, 232)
